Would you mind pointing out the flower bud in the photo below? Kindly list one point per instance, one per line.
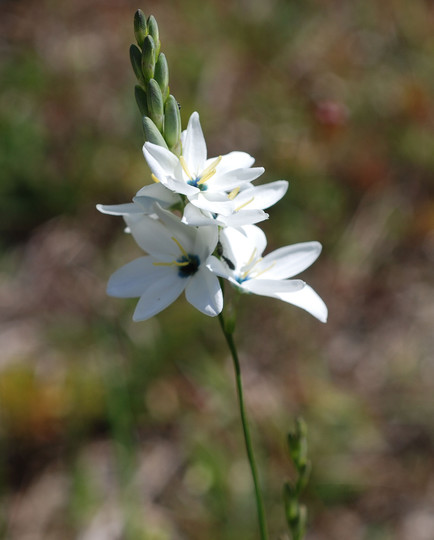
(151, 132)
(136, 62)
(148, 58)
(154, 32)
(172, 122)
(155, 103)
(140, 27)
(161, 75)
(141, 100)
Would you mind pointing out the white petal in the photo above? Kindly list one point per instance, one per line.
(206, 241)
(196, 217)
(263, 196)
(240, 245)
(272, 287)
(309, 300)
(289, 261)
(159, 295)
(131, 280)
(204, 292)
(146, 196)
(232, 161)
(243, 217)
(152, 236)
(194, 148)
(185, 235)
(120, 209)
(217, 203)
(232, 179)
(219, 268)
(161, 161)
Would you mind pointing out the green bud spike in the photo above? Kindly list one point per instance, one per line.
(141, 100)
(151, 132)
(148, 57)
(155, 103)
(161, 75)
(172, 122)
(136, 62)
(154, 32)
(140, 27)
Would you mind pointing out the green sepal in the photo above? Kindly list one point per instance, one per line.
(151, 132)
(161, 75)
(172, 122)
(155, 104)
(154, 32)
(141, 100)
(140, 27)
(303, 476)
(136, 62)
(148, 58)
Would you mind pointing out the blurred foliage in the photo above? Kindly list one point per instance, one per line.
(113, 429)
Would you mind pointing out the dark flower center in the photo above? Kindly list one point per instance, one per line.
(190, 268)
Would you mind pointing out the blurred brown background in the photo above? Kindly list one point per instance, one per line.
(118, 430)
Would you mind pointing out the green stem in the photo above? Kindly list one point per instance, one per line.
(247, 438)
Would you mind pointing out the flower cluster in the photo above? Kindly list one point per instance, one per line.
(197, 223)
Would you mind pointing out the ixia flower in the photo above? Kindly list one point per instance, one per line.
(243, 265)
(176, 261)
(205, 182)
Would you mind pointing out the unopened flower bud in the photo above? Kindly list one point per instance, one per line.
(141, 100)
(154, 32)
(161, 75)
(155, 103)
(136, 62)
(140, 27)
(151, 132)
(148, 58)
(172, 122)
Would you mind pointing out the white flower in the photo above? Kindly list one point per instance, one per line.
(249, 204)
(143, 202)
(205, 182)
(242, 264)
(176, 261)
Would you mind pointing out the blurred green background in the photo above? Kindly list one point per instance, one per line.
(111, 429)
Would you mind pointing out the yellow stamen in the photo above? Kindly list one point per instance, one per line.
(206, 177)
(171, 263)
(180, 247)
(155, 179)
(252, 257)
(211, 166)
(265, 269)
(245, 204)
(233, 193)
(185, 166)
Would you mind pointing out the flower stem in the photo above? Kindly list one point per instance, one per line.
(247, 439)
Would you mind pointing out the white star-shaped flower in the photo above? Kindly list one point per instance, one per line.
(176, 261)
(243, 265)
(205, 182)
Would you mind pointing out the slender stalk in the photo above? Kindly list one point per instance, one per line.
(247, 438)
